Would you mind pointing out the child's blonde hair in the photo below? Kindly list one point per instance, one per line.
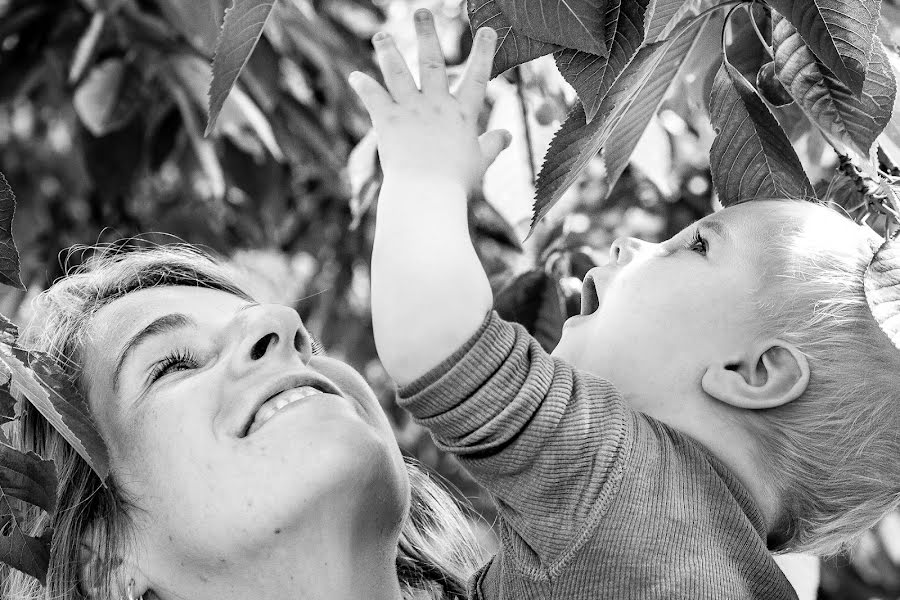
(834, 451)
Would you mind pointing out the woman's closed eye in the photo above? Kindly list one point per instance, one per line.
(178, 360)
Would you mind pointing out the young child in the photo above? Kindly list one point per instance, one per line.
(724, 393)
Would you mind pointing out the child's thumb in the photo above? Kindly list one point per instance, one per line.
(493, 143)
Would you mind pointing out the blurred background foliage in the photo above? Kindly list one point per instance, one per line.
(102, 108)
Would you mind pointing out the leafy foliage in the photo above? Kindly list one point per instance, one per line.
(622, 116)
(9, 255)
(854, 120)
(826, 58)
(579, 24)
(751, 156)
(839, 32)
(513, 48)
(243, 26)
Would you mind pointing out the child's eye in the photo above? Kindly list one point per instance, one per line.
(178, 360)
(698, 244)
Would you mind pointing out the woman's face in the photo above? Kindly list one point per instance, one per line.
(237, 445)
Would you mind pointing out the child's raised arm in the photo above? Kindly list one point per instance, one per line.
(429, 291)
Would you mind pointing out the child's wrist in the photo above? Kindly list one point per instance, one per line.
(429, 185)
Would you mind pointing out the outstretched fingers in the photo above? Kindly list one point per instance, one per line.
(471, 88)
(375, 98)
(397, 78)
(432, 72)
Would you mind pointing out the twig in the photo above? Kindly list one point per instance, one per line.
(520, 94)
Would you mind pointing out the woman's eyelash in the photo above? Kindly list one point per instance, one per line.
(699, 239)
(172, 360)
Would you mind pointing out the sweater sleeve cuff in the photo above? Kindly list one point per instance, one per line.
(468, 367)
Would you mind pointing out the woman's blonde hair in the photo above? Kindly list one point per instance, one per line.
(437, 549)
(834, 451)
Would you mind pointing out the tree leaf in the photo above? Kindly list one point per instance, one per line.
(533, 300)
(882, 292)
(109, 97)
(770, 87)
(855, 121)
(87, 46)
(7, 403)
(196, 20)
(578, 24)
(28, 477)
(28, 554)
(243, 25)
(751, 156)
(513, 48)
(239, 114)
(666, 17)
(36, 378)
(889, 140)
(622, 117)
(9, 254)
(839, 32)
(592, 75)
(660, 15)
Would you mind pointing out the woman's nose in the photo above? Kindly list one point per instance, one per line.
(624, 249)
(270, 330)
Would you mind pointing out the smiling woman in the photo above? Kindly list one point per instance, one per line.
(244, 464)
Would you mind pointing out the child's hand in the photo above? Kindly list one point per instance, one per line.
(431, 134)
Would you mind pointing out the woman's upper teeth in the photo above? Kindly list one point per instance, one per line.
(279, 401)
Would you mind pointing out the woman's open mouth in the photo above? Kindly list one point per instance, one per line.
(287, 391)
(278, 402)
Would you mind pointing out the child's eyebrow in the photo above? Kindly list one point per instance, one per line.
(716, 227)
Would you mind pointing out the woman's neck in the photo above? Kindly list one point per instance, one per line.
(312, 569)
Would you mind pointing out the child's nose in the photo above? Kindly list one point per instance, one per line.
(624, 249)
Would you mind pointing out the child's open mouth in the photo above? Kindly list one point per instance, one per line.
(590, 299)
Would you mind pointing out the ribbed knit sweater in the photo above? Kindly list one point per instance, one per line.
(595, 500)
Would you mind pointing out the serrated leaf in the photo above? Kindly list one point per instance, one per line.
(109, 97)
(578, 24)
(668, 16)
(28, 554)
(889, 140)
(592, 75)
(751, 157)
(882, 289)
(238, 115)
(512, 48)
(622, 117)
(26, 476)
(35, 377)
(855, 121)
(243, 25)
(839, 32)
(9, 254)
(661, 14)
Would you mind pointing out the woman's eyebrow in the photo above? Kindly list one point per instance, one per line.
(164, 324)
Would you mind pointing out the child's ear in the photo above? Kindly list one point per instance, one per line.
(96, 569)
(772, 375)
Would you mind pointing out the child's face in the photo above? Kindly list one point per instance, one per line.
(658, 315)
